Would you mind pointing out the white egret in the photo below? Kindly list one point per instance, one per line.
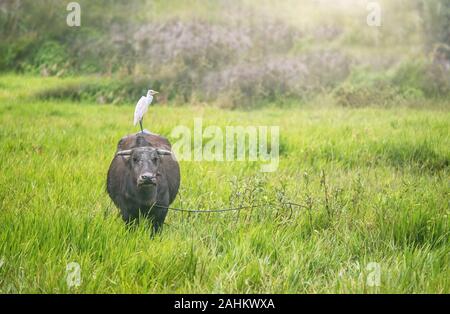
(142, 107)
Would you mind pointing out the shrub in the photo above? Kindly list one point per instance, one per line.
(109, 91)
(50, 59)
(246, 84)
(348, 95)
(408, 83)
(431, 77)
(436, 23)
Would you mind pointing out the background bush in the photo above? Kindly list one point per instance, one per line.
(236, 54)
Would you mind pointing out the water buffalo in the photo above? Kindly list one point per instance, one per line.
(143, 178)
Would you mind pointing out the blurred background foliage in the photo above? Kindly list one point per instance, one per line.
(236, 54)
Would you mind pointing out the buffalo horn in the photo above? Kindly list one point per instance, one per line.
(163, 152)
(124, 152)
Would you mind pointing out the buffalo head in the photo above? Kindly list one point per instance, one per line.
(144, 164)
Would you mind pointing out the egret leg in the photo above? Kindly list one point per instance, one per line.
(140, 123)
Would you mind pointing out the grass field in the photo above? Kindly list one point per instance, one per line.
(375, 183)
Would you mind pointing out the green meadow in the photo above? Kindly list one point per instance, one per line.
(373, 183)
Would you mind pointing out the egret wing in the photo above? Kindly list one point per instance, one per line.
(141, 109)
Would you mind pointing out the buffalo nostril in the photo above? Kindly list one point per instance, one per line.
(147, 178)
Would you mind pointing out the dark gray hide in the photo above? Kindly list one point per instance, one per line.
(143, 178)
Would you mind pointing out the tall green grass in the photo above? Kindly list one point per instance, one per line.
(374, 183)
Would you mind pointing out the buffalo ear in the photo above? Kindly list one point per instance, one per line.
(122, 142)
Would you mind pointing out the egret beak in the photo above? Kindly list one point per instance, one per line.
(155, 92)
